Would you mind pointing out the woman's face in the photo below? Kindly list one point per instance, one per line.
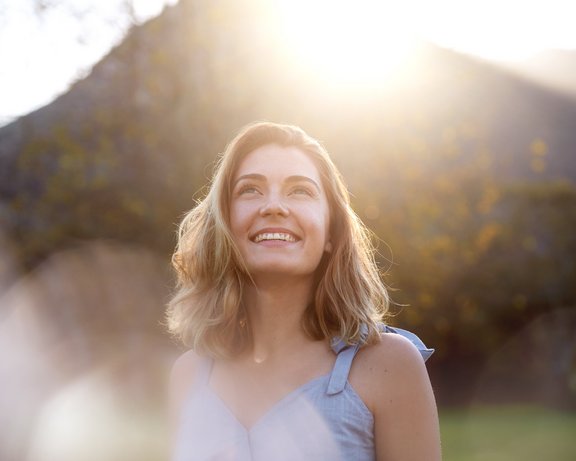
(279, 213)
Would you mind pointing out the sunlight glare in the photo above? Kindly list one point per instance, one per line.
(345, 42)
(498, 30)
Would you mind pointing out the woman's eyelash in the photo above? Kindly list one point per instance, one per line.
(247, 188)
(304, 190)
(250, 188)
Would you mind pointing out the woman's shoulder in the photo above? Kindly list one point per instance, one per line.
(182, 377)
(393, 351)
(393, 366)
(394, 384)
(185, 368)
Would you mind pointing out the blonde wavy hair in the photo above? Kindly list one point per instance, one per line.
(207, 313)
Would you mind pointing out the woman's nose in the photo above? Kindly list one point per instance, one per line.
(274, 206)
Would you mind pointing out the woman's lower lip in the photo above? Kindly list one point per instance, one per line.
(275, 243)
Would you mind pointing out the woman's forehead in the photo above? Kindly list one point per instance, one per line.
(275, 161)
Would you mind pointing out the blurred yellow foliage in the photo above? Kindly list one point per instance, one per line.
(538, 165)
(490, 197)
(442, 244)
(425, 300)
(486, 236)
(539, 147)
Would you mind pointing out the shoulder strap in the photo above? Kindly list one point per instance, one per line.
(339, 375)
(346, 353)
(426, 352)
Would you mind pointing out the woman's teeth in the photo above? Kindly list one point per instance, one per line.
(274, 236)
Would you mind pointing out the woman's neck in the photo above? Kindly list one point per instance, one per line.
(275, 312)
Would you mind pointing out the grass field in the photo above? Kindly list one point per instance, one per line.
(507, 433)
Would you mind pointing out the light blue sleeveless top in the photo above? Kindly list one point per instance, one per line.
(323, 419)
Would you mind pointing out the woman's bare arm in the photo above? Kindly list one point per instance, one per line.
(399, 393)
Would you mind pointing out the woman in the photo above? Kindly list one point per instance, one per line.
(281, 304)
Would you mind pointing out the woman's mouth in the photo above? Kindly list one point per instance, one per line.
(267, 236)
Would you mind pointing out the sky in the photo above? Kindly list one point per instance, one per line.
(44, 50)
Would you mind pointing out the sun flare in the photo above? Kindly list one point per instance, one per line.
(366, 43)
(345, 42)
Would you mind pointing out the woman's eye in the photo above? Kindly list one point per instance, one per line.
(302, 190)
(247, 189)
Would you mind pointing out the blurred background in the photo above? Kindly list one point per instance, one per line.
(454, 124)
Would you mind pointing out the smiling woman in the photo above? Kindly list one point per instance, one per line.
(282, 306)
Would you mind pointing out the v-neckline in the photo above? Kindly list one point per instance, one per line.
(287, 398)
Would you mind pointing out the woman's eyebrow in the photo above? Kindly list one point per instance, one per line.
(298, 178)
(252, 176)
(290, 179)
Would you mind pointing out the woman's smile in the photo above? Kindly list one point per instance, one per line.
(274, 235)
